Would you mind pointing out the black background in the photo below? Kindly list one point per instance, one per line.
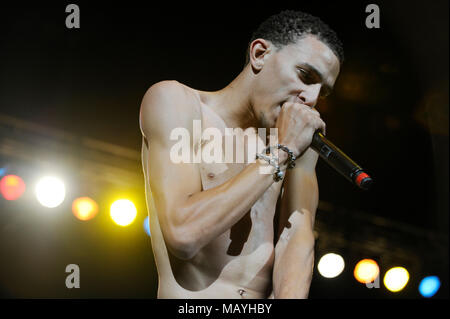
(389, 109)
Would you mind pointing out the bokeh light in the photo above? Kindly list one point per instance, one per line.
(331, 265)
(429, 286)
(366, 271)
(396, 279)
(12, 187)
(50, 191)
(84, 208)
(123, 212)
(147, 226)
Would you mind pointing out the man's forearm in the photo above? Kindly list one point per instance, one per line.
(294, 259)
(294, 251)
(208, 214)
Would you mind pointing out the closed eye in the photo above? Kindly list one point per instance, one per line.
(306, 76)
(312, 78)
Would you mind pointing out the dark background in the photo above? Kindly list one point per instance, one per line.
(389, 112)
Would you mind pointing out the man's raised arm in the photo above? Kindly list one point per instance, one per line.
(189, 217)
(294, 251)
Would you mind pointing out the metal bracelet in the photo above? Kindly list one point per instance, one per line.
(291, 156)
(279, 174)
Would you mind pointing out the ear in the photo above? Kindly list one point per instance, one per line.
(259, 49)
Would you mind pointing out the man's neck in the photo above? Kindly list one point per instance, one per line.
(233, 103)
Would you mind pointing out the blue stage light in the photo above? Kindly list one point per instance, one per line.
(147, 226)
(429, 286)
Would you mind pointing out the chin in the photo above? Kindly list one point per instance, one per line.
(270, 126)
(267, 122)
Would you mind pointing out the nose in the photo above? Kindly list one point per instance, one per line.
(310, 94)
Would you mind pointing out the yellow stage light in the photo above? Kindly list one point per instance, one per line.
(84, 208)
(123, 212)
(396, 279)
(50, 191)
(366, 271)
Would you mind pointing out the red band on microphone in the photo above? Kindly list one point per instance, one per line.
(360, 177)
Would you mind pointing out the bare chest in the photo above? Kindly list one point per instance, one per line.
(244, 253)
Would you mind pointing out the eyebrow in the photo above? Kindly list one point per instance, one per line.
(327, 87)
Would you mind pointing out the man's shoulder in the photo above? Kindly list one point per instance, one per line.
(168, 101)
(168, 91)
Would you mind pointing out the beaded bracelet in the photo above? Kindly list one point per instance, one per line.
(291, 156)
(279, 174)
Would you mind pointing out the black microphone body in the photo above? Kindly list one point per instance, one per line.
(340, 162)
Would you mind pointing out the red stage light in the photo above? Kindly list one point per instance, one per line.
(12, 187)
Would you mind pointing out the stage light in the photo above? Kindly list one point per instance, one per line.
(50, 191)
(12, 187)
(84, 208)
(331, 265)
(147, 226)
(123, 212)
(366, 271)
(429, 286)
(396, 279)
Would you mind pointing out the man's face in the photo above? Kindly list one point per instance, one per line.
(301, 72)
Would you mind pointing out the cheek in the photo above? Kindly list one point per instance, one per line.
(273, 75)
(275, 84)
(284, 72)
(287, 84)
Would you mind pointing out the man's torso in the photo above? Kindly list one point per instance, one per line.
(238, 263)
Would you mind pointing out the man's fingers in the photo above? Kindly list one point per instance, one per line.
(323, 127)
(315, 111)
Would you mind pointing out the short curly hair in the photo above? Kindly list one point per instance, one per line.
(288, 26)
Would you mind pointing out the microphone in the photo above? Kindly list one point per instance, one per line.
(340, 162)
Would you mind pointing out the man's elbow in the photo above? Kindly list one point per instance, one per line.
(182, 244)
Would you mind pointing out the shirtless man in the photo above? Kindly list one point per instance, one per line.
(225, 230)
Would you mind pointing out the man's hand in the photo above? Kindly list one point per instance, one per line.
(296, 126)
